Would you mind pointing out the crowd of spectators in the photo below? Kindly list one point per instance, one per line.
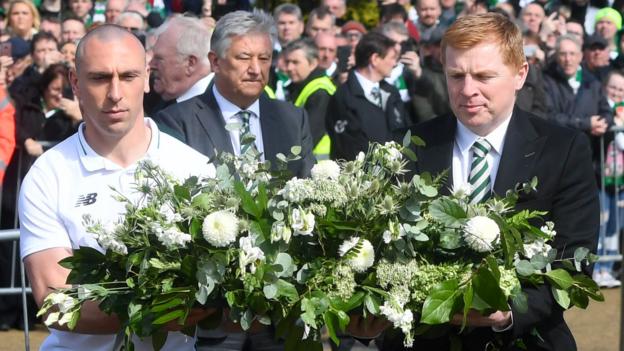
(356, 84)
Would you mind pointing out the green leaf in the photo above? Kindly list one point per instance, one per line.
(468, 296)
(410, 154)
(246, 319)
(539, 262)
(287, 290)
(371, 302)
(182, 192)
(407, 138)
(169, 316)
(525, 268)
(295, 150)
(248, 203)
(580, 254)
(450, 239)
(519, 300)
(170, 304)
(270, 291)
(439, 304)
(158, 340)
(486, 286)
(353, 302)
(447, 212)
(560, 278)
(286, 265)
(202, 201)
(416, 140)
(332, 324)
(561, 296)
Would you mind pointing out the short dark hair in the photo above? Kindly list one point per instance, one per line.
(306, 44)
(386, 12)
(50, 74)
(372, 43)
(42, 36)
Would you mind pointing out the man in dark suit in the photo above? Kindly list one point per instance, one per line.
(241, 49)
(519, 146)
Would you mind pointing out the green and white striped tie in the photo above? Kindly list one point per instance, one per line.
(479, 177)
(246, 138)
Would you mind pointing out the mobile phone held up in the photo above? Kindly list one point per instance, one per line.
(5, 48)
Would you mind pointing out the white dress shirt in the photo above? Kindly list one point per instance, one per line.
(197, 89)
(462, 154)
(368, 85)
(229, 111)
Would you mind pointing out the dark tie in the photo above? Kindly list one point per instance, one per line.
(376, 95)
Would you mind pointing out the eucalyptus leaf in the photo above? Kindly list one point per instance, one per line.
(562, 297)
(286, 264)
(525, 268)
(295, 150)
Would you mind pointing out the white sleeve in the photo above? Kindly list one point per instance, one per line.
(40, 225)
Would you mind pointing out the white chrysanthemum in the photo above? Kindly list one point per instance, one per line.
(302, 223)
(362, 260)
(481, 233)
(249, 254)
(220, 228)
(325, 169)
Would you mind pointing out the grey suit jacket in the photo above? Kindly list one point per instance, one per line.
(198, 122)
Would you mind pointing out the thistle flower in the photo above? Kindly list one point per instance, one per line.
(359, 260)
(481, 233)
(325, 169)
(220, 228)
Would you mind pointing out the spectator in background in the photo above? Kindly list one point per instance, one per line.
(327, 50)
(532, 97)
(596, 57)
(353, 31)
(132, 21)
(608, 23)
(449, 13)
(289, 24)
(575, 28)
(82, 10)
(429, 12)
(397, 13)
(532, 16)
(366, 108)
(320, 20)
(113, 9)
(180, 68)
(68, 49)
(52, 25)
(338, 8)
(22, 20)
(310, 89)
(575, 98)
(72, 29)
(7, 135)
(609, 239)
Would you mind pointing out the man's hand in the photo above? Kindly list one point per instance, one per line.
(33, 148)
(411, 60)
(195, 316)
(366, 328)
(497, 320)
(598, 125)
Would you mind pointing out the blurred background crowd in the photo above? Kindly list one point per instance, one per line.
(363, 71)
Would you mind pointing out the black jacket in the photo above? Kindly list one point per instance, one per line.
(352, 121)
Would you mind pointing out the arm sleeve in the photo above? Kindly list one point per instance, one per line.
(307, 157)
(168, 122)
(344, 129)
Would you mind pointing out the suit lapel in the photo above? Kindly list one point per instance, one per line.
(213, 122)
(437, 156)
(522, 148)
(271, 129)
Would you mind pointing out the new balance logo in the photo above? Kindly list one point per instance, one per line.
(86, 200)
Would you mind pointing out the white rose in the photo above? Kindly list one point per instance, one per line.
(326, 169)
(302, 223)
(220, 228)
(481, 233)
(362, 260)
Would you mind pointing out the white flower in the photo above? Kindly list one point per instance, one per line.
(360, 157)
(279, 231)
(481, 233)
(362, 260)
(387, 236)
(549, 229)
(170, 216)
(326, 169)
(220, 228)
(401, 319)
(392, 153)
(462, 191)
(107, 238)
(249, 254)
(538, 247)
(63, 301)
(302, 223)
(173, 238)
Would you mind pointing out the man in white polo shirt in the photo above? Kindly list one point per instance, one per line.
(75, 178)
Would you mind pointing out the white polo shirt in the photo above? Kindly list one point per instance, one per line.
(71, 180)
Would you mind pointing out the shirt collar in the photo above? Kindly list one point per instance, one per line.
(465, 137)
(366, 84)
(330, 71)
(198, 88)
(92, 161)
(229, 110)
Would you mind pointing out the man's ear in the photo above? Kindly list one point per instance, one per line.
(192, 64)
(214, 61)
(146, 87)
(522, 75)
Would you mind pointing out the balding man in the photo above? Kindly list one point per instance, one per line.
(180, 66)
(76, 178)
